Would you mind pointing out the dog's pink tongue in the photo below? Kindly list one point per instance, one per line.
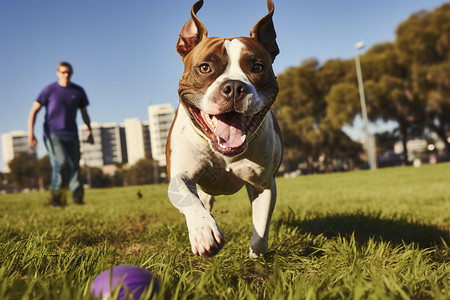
(230, 129)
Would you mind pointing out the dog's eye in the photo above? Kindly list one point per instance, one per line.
(204, 69)
(258, 68)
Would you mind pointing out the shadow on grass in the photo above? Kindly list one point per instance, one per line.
(365, 227)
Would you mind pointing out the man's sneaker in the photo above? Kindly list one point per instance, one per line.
(78, 200)
(58, 198)
(55, 200)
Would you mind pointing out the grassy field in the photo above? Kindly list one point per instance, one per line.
(355, 235)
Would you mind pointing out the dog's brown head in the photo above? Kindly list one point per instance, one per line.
(228, 85)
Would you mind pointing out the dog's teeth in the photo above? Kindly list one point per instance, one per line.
(244, 137)
(214, 121)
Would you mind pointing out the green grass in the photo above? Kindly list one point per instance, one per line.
(356, 235)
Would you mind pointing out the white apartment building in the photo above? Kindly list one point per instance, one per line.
(137, 139)
(160, 119)
(113, 143)
(13, 143)
(109, 145)
(91, 155)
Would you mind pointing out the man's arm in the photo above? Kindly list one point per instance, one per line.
(32, 141)
(87, 121)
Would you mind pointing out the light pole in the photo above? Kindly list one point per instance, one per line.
(369, 141)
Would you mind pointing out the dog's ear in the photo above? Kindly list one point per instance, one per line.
(192, 32)
(264, 32)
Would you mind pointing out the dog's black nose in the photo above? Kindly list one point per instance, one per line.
(233, 90)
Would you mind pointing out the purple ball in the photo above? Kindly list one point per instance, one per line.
(135, 278)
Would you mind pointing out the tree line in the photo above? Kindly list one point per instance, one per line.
(406, 81)
(28, 172)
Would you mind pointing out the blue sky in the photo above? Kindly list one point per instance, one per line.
(123, 52)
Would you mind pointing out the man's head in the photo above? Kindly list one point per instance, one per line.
(64, 72)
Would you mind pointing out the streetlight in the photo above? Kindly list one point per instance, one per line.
(369, 142)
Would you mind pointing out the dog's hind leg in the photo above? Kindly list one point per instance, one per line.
(207, 200)
(263, 203)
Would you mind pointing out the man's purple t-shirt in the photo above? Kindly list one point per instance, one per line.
(62, 104)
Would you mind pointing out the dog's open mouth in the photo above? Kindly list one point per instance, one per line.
(228, 132)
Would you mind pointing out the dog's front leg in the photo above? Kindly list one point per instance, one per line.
(204, 234)
(263, 203)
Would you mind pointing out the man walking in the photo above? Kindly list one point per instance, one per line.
(62, 100)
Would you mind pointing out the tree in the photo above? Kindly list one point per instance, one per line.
(24, 170)
(342, 104)
(392, 101)
(437, 88)
(95, 178)
(423, 44)
(390, 92)
(44, 172)
(335, 71)
(142, 172)
(309, 132)
(297, 110)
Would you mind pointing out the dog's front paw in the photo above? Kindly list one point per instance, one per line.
(204, 234)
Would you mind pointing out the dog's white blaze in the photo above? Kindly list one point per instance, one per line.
(233, 70)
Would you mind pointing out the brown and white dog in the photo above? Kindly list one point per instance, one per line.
(224, 135)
